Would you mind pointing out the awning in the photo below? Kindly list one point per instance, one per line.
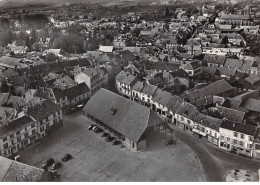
(196, 131)
(202, 133)
(199, 132)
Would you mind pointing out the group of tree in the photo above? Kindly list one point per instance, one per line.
(6, 38)
(71, 43)
(192, 11)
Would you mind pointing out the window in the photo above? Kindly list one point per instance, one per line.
(222, 137)
(5, 145)
(5, 139)
(241, 143)
(33, 125)
(18, 138)
(235, 134)
(228, 139)
(215, 134)
(251, 138)
(234, 141)
(12, 135)
(18, 132)
(242, 136)
(249, 145)
(41, 129)
(182, 119)
(188, 121)
(26, 135)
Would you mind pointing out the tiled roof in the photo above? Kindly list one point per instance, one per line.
(192, 65)
(43, 110)
(11, 61)
(208, 121)
(8, 73)
(149, 89)
(242, 128)
(215, 88)
(15, 125)
(126, 78)
(91, 72)
(234, 17)
(138, 86)
(233, 63)
(215, 59)
(20, 81)
(162, 97)
(130, 119)
(251, 104)
(174, 103)
(227, 71)
(76, 90)
(230, 114)
(127, 55)
(231, 103)
(246, 65)
(187, 110)
(13, 171)
(252, 79)
(179, 73)
(163, 66)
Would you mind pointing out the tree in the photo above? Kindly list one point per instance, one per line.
(33, 36)
(6, 38)
(50, 57)
(69, 43)
(225, 41)
(167, 12)
(28, 41)
(4, 87)
(191, 11)
(36, 46)
(219, 7)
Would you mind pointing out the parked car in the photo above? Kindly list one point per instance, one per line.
(105, 134)
(49, 162)
(170, 142)
(109, 138)
(116, 142)
(66, 157)
(56, 165)
(98, 130)
(94, 127)
(91, 126)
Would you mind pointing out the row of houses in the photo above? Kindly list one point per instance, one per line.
(186, 115)
(35, 124)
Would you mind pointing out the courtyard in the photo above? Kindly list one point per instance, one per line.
(97, 160)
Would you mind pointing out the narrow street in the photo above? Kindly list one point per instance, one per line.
(215, 163)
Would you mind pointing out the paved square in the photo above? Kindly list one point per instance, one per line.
(96, 160)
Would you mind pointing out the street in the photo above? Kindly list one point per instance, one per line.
(96, 160)
(215, 163)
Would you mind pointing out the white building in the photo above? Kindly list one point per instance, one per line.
(237, 138)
